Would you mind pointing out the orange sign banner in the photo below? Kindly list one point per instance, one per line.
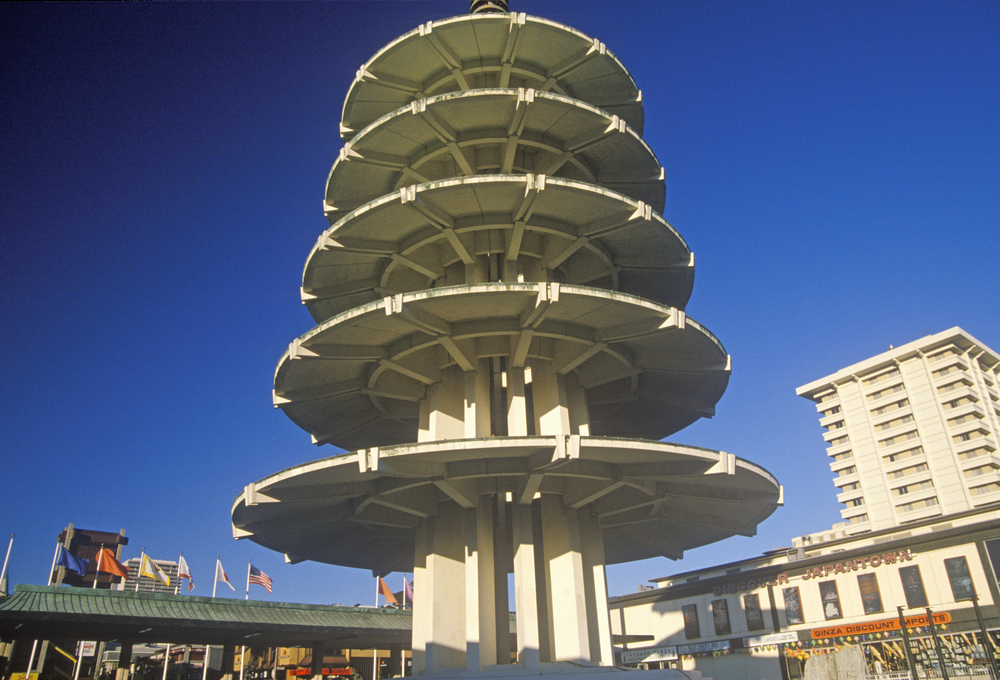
(884, 625)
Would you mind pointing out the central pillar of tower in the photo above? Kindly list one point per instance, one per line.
(501, 345)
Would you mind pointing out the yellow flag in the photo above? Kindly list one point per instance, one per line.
(149, 569)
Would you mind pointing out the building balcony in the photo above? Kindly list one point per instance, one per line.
(975, 442)
(827, 421)
(972, 407)
(917, 514)
(846, 496)
(879, 418)
(951, 360)
(986, 457)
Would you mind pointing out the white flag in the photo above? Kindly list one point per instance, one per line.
(149, 569)
(183, 572)
(220, 574)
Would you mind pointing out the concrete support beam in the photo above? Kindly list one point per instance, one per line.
(526, 603)
(595, 589)
(443, 614)
(480, 619)
(549, 399)
(565, 602)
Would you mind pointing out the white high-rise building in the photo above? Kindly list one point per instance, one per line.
(144, 584)
(912, 433)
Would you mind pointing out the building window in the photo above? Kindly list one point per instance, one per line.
(847, 471)
(835, 426)
(854, 502)
(950, 352)
(993, 551)
(691, 628)
(905, 472)
(895, 422)
(950, 387)
(832, 412)
(985, 488)
(839, 440)
(908, 488)
(870, 597)
(843, 456)
(884, 393)
(913, 586)
(831, 600)
(903, 455)
(720, 615)
(979, 471)
(955, 403)
(895, 406)
(888, 375)
(917, 505)
(958, 575)
(793, 606)
(853, 486)
(898, 439)
(858, 519)
(755, 618)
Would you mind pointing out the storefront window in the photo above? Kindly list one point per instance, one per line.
(720, 614)
(993, 550)
(793, 606)
(961, 580)
(691, 629)
(913, 586)
(871, 599)
(755, 619)
(831, 600)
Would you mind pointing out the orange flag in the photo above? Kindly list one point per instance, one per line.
(106, 562)
(383, 589)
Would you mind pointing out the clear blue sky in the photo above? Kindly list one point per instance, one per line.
(834, 166)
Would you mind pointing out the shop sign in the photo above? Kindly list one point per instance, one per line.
(878, 626)
(649, 654)
(873, 561)
(720, 646)
(749, 584)
(88, 648)
(775, 639)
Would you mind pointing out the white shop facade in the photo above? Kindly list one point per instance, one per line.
(918, 596)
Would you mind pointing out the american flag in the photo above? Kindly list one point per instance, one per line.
(260, 578)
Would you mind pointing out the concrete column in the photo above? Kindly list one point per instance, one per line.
(526, 603)
(579, 415)
(421, 604)
(550, 401)
(595, 589)
(228, 661)
(501, 560)
(447, 405)
(517, 412)
(444, 576)
(318, 652)
(480, 615)
(565, 602)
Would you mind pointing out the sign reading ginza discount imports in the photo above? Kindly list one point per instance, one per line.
(878, 626)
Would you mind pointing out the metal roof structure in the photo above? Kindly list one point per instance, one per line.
(59, 612)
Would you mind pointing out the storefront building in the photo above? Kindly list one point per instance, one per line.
(930, 587)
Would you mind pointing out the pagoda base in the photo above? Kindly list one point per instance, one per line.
(560, 671)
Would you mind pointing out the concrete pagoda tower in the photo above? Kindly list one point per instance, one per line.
(501, 344)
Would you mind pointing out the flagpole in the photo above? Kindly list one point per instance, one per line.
(243, 650)
(376, 594)
(404, 592)
(34, 645)
(216, 583)
(97, 571)
(3, 574)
